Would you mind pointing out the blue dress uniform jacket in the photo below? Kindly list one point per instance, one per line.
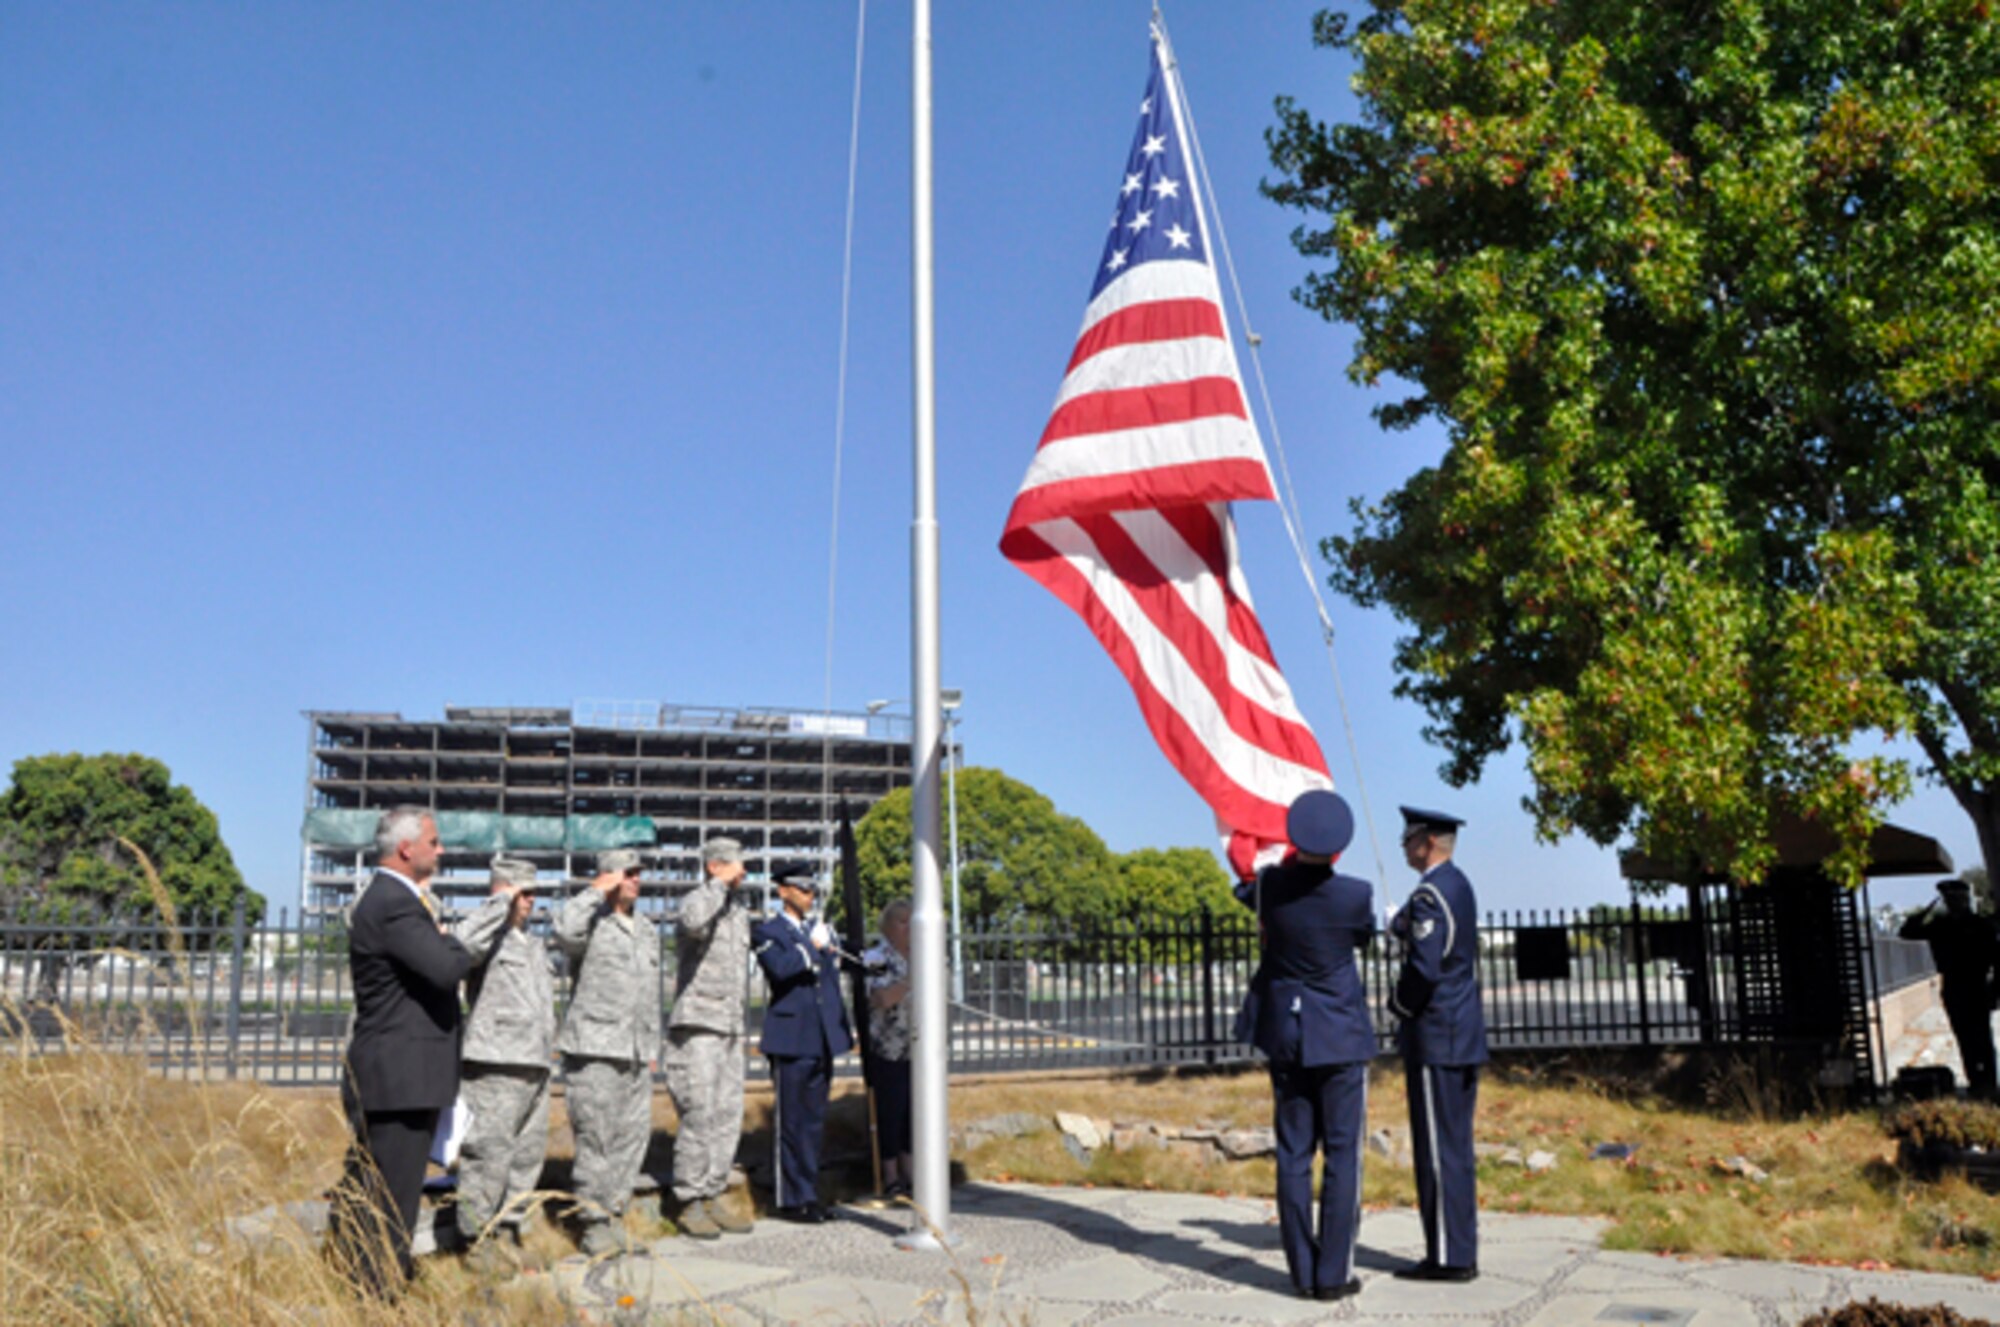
(1437, 991)
(806, 1015)
(1306, 1005)
(805, 1026)
(1443, 1037)
(1307, 1012)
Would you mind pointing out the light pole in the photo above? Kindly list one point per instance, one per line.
(949, 700)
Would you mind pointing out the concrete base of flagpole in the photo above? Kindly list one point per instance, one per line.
(926, 1240)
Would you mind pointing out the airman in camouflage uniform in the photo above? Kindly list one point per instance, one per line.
(704, 1057)
(609, 1042)
(504, 1075)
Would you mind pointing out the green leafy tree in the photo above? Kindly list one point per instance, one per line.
(1706, 300)
(61, 822)
(1157, 883)
(1021, 861)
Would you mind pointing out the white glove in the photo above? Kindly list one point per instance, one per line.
(821, 936)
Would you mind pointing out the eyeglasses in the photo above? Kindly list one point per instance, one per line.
(633, 872)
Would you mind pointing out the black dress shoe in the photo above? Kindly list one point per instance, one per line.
(805, 1214)
(1430, 1271)
(1348, 1291)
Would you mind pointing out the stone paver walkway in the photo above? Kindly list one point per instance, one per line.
(1053, 1257)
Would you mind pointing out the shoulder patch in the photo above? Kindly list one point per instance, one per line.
(1424, 928)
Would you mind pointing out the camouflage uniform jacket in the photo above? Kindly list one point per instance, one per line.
(614, 1007)
(713, 959)
(513, 1019)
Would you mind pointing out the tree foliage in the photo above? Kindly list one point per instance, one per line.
(1706, 299)
(61, 820)
(1024, 863)
(1156, 883)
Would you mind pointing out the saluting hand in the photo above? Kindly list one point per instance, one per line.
(607, 881)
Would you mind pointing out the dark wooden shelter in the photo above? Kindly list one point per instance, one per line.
(1789, 962)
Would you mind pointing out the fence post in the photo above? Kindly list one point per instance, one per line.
(1639, 966)
(1208, 985)
(238, 944)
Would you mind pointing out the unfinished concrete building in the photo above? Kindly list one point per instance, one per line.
(771, 778)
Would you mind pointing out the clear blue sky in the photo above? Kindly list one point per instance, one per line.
(383, 357)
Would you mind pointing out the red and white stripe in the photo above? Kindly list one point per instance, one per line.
(1124, 517)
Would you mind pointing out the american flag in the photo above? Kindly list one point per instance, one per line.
(1124, 515)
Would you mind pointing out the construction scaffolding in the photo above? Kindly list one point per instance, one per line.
(771, 778)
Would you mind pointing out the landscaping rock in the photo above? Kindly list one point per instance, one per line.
(1392, 1145)
(1541, 1162)
(1745, 1167)
(1190, 1151)
(1076, 1148)
(1242, 1144)
(1126, 1138)
(310, 1214)
(1500, 1153)
(1614, 1151)
(987, 1128)
(1081, 1129)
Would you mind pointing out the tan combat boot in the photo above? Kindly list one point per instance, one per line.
(726, 1217)
(695, 1221)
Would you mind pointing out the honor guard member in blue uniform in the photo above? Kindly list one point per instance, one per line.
(1443, 1036)
(1306, 1011)
(805, 1026)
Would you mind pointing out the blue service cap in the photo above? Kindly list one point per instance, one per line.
(1319, 822)
(1415, 817)
(798, 874)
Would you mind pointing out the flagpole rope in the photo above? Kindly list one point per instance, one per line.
(840, 419)
(1288, 504)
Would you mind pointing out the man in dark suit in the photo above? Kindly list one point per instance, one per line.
(805, 1026)
(1443, 1034)
(1307, 1012)
(1966, 953)
(402, 1060)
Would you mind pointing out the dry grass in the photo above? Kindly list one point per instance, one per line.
(117, 1187)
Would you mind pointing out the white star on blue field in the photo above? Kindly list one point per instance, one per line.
(1155, 216)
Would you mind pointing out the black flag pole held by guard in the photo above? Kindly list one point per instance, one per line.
(855, 925)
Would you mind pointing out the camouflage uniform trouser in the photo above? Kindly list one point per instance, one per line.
(501, 1158)
(611, 1113)
(705, 1076)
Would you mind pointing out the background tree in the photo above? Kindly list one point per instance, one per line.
(1020, 860)
(1163, 883)
(1707, 301)
(60, 821)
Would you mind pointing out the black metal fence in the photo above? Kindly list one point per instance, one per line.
(272, 1002)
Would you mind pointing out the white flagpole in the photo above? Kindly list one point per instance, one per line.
(931, 1124)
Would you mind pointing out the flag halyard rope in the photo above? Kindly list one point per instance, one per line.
(840, 419)
(1288, 506)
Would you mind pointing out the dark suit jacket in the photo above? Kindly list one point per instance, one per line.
(404, 1053)
(806, 1016)
(1306, 1005)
